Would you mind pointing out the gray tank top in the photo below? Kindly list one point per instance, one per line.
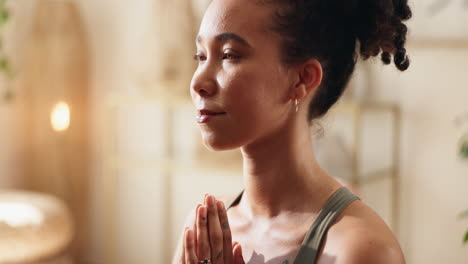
(313, 239)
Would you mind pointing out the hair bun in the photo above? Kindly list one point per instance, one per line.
(380, 29)
(386, 58)
(401, 59)
(332, 30)
(402, 9)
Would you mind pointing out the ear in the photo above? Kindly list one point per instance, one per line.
(309, 77)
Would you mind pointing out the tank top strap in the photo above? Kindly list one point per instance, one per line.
(235, 201)
(314, 237)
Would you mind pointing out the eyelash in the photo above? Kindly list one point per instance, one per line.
(198, 57)
(232, 56)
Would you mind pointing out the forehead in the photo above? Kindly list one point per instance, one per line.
(243, 17)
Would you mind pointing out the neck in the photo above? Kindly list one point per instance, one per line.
(280, 172)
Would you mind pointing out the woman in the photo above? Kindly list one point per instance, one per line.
(266, 70)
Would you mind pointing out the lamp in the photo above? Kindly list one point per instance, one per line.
(60, 116)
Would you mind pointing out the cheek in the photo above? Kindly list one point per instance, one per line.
(243, 91)
(255, 105)
(255, 96)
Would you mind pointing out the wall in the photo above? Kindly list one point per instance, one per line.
(434, 180)
(10, 124)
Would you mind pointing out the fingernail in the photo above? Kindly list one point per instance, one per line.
(211, 200)
(238, 252)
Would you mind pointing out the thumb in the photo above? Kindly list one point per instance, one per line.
(237, 253)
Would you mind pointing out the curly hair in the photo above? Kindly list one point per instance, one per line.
(336, 32)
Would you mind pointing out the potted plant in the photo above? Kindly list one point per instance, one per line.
(465, 215)
(5, 67)
(464, 155)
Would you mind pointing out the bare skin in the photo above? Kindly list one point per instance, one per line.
(240, 73)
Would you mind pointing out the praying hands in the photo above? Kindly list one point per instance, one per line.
(209, 240)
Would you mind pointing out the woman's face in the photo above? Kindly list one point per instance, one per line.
(239, 74)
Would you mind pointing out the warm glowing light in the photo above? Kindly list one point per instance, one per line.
(19, 214)
(60, 117)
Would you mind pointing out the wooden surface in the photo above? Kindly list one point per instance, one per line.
(33, 226)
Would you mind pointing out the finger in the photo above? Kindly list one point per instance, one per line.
(202, 235)
(214, 231)
(234, 244)
(190, 257)
(195, 231)
(226, 230)
(182, 256)
(237, 253)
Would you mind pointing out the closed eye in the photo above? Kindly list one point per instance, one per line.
(230, 56)
(199, 57)
(226, 56)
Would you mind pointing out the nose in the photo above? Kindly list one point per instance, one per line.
(203, 83)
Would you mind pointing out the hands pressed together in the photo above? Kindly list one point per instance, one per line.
(209, 240)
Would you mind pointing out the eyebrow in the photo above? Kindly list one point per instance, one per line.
(228, 36)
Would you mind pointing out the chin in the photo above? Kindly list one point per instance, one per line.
(219, 143)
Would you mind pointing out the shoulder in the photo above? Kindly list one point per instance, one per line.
(366, 248)
(360, 236)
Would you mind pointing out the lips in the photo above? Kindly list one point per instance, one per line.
(205, 115)
(210, 112)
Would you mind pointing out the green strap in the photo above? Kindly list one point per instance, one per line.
(235, 201)
(313, 239)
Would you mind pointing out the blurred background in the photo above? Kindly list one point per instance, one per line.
(101, 158)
